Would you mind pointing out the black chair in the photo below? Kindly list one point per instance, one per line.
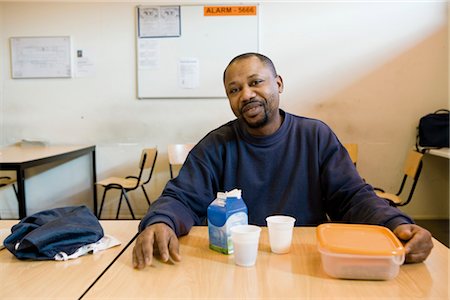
(412, 170)
(130, 183)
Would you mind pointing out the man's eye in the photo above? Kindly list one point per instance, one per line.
(233, 91)
(255, 82)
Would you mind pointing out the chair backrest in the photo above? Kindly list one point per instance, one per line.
(352, 150)
(6, 180)
(177, 155)
(412, 168)
(178, 152)
(148, 160)
(149, 154)
(412, 163)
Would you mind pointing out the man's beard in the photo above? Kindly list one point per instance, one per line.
(260, 123)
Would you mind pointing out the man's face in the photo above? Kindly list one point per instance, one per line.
(253, 91)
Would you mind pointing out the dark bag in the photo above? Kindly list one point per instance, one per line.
(44, 234)
(433, 130)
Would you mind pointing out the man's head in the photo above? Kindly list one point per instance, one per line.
(264, 59)
(253, 87)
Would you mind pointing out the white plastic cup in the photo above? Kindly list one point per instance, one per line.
(245, 243)
(280, 233)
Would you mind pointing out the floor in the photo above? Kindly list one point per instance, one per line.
(438, 228)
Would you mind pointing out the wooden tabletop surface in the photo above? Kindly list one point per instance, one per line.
(206, 274)
(59, 279)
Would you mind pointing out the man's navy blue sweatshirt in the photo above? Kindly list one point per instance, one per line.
(301, 170)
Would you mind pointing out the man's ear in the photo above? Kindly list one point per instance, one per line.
(280, 84)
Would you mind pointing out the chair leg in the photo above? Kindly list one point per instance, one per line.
(128, 203)
(119, 205)
(16, 192)
(101, 204)
(146, 197)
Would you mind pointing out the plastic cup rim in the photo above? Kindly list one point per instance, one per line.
(249, 229)
(249, 235)
(280, 219)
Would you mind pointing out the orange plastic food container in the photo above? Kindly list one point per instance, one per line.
(356, 251)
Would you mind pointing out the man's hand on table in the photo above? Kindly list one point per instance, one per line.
(416, 240)
(155, 239)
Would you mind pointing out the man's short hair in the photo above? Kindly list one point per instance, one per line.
(264, 59)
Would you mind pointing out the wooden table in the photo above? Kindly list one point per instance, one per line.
(19, 158)
(205, 274)
(59, 279)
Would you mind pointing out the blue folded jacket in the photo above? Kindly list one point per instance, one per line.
(44, 234)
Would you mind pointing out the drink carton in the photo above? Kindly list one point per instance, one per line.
(226, 211)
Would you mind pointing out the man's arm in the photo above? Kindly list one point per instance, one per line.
(183, 203)
(185, 199)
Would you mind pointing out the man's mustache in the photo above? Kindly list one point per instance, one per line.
(249, 104)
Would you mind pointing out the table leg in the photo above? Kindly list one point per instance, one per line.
(94, 180)
(21, 193)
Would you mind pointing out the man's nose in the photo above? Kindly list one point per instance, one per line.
(247, 93)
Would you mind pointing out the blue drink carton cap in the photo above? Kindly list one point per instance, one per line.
(236, 193)
(224, 206)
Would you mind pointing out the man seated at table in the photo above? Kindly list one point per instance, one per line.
(283, 163)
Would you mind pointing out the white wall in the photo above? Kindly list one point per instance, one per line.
(2, 67)
(370, 70)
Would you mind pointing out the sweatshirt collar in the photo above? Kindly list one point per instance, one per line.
(267, 139)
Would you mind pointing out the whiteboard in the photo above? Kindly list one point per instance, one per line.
(191, 65)
(41, 57)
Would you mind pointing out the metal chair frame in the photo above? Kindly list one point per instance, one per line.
(9, 183)
(402, 185)
(125, 190)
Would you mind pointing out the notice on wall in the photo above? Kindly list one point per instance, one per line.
(159, 21)
(148, 54)
(214, 11)
(41, 57)
(84, 65)
(188, 73)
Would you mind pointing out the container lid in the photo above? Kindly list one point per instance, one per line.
(236, 193)
(358, 239)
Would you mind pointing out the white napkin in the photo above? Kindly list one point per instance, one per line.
(107, 241)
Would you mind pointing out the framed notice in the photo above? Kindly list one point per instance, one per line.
(159, 21)
(41, 57)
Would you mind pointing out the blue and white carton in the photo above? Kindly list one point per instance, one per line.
(226, 211)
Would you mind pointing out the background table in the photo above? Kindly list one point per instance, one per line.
(59, 279)
(19, 158)
(443, 152)
(205, 274)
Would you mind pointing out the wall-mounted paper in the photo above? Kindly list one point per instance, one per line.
(159, 21)
(149, 55)
(41, 57)
(188, 73)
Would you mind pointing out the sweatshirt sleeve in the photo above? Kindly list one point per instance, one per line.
(348, 197)
(185, 199)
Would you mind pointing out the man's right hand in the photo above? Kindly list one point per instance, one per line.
(159, 239)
